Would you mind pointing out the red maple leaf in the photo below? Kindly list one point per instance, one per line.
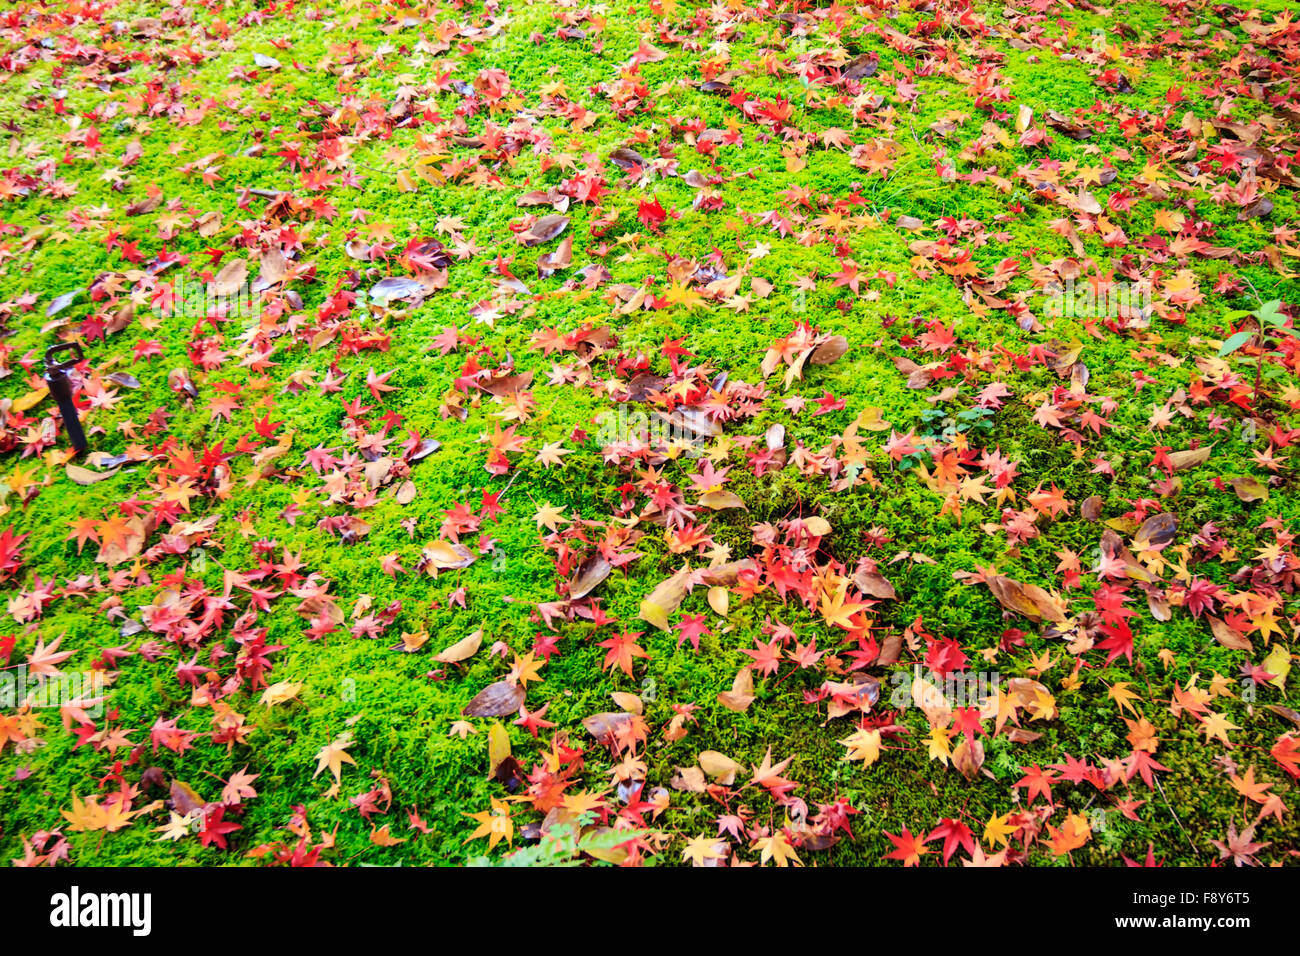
(907, 848)
(954, 834)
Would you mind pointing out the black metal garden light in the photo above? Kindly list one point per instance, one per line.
(60, 385)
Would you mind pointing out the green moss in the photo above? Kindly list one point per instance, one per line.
(398, 707)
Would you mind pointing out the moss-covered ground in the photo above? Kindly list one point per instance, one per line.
(830, 231)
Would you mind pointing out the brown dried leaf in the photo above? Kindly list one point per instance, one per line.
(664, 600)
(741, 694)
(445, 556)
(968, 757)
(1229, 638)
(1249, 489)
(84, 476)
(230, 278)
(1182, 460)
(719, 767)
(496, 700)
(405, 492)
(544, 230)
(1027, 600)
(591, 574)
(1156, 533)
(875, 585)
(829, 351)
(606, 726)
(462, 650)
(720, 500)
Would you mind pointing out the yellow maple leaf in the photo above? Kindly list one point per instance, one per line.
(940, 745)
(494, 823)
(863, 745)
(777, 848)
(333, 755)
(1122, 696)
(997, 831)
(837, 609)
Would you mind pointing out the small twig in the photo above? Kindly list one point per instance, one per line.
(517, 473)
(1161, 788)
